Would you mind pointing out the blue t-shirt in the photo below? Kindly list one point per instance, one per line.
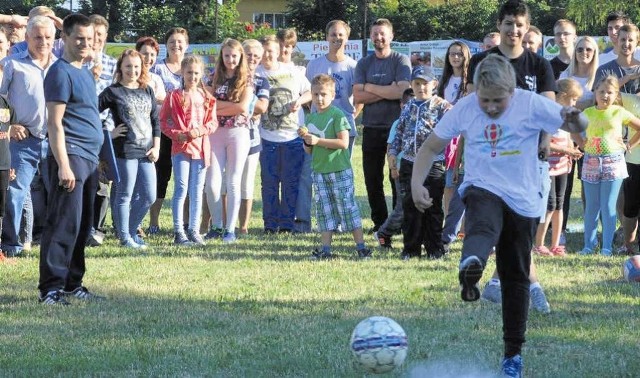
(76, 88)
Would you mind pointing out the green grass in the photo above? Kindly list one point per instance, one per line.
(260, 308)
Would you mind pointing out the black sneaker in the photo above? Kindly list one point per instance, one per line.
(384, 240)
(84, 294)
(469, 275)
(53, 298)
(319, 255)
(364, 253)
(195, 238)
(180, 238)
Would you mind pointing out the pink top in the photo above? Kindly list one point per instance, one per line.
(177, 117)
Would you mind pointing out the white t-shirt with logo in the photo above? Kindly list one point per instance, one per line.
(501, 155)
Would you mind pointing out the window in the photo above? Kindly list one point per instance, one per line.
(275, 20)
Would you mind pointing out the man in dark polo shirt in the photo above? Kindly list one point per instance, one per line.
(380, 80)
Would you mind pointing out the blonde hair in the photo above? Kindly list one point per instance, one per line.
(144, 78)
(569, 87)
(495, 72)
(323, 80)
(252, 44)
(287, 37)
(593, 66)
(333, 23)
(238, 83)
(613, 82)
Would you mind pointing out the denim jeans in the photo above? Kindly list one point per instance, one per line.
(303, 204)
(135, 193)
(188, 176)
(600, 201)
(453, 219)
(26, 156)
(281, 165)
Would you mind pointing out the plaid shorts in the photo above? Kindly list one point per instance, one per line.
(335, 201)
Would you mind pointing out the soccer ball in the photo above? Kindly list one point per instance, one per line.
(379, 344)
(631, 269)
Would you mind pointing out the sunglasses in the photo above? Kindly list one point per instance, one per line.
(583, 49)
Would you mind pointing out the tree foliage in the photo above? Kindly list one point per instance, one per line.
(590, 15)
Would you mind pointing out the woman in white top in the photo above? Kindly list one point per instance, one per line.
(583, 67)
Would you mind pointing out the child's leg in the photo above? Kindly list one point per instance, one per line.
(247, 185)
(453, 219)
(197, 174)
(557, 216)
(609, 191)
(270, 179)
(513, 261)
(393, 224)
(290, 166)
(591, 215)
(144, 194)
(631, 186)
(213, 185)
(412, 225)
(181, 181)
(237, 152)
(434, 216)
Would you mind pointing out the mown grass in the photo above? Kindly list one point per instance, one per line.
(260, 308)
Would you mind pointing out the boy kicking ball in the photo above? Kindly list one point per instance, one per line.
(501, 126)
(326, 138)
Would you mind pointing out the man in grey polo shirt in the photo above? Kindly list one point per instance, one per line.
(379, 81)
(23, 86)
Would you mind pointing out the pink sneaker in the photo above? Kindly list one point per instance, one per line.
(542, 251)
(558, 251)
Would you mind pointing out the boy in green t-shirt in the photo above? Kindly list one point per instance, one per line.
(326, 138)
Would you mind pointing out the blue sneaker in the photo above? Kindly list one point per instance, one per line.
(153, 230)
(469, 275)
(214, 233)
(138, 239)
(512, 367)
(585, 251)
(229, 237)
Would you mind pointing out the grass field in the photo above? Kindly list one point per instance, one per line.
(260, 308)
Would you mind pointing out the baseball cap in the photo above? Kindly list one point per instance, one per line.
(424, 73)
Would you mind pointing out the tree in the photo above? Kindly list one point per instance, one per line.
(590, 15)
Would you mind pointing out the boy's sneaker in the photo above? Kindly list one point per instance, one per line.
(319, 255)
(195, 237)
(539, 300)
(180, 238)
(138, 239)
(364, 253)
(153, 230)
(585, 251)
(214, 233)
(512, 367)
(53, 298)
(469, 275)
(83, 293)
(606, 252)
(492, 293)
(130, 243)
(384, 240)
(229, 237)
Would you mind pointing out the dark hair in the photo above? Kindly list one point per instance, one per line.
(407, 94)
(287, 36)
(383, 22)
(70, 22)
(617, 15)
(513, 8)
(148, 41)
(447, 72)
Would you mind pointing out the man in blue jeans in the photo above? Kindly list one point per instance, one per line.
(22, 84)
(75, 133)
